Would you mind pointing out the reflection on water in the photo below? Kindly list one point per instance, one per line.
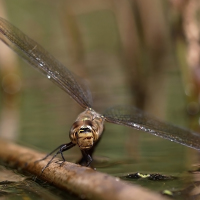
(15, 186)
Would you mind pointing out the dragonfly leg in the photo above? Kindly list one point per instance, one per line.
(50, 153)
(86, 158)
(62, 148)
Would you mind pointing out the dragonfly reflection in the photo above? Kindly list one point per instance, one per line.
(88, 127)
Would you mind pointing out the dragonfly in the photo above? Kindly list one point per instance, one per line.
(87, 129)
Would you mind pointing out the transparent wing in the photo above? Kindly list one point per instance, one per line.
(39, 58)
(135, 118)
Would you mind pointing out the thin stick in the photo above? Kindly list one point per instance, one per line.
(82, 181)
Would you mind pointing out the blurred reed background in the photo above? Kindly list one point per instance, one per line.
(138, 52)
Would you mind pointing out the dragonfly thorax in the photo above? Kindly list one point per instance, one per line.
(87, 129)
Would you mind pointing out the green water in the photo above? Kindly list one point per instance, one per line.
(46, 113)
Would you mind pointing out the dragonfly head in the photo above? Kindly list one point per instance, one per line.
(83, 134)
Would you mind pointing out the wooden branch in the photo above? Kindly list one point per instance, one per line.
(82, 181)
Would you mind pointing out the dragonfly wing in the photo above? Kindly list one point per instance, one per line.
(39, 58)
(135, 118)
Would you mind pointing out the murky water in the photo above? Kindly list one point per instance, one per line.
(121, 151)
(45, 115)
